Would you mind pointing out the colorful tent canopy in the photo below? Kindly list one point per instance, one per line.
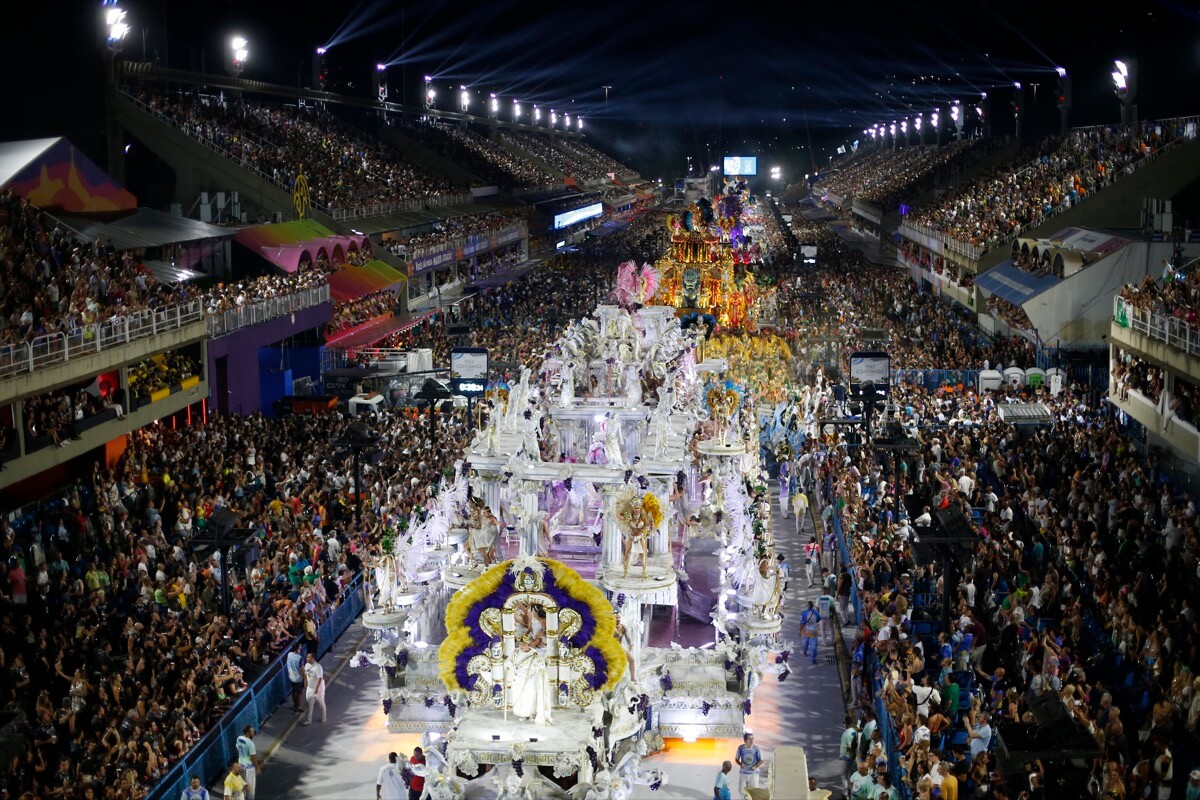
(287, 243)
(354, 282)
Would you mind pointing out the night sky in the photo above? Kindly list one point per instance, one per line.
(687, 79)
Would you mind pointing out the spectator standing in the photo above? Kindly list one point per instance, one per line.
(295, 671)
(785, 571)
(314, 688)
(390, 783)
(235, 784)
(749, 761)
(848, 751)
(416, 784)
(248, 759)
(194, 790)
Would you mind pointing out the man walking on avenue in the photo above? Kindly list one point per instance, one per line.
(390, 783)
(749, 760)
(810, 625)
(721, 785)
(314, 688)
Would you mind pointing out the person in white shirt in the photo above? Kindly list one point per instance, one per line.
(924, 519)
(390, 784)
(966, 484)
(248, 758)
(314, 688)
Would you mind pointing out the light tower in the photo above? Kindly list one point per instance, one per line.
(464, 98)
(1062, 96)
(430, 92)
(239, 54)
(493, 106)
(320, 70)
(1125, 83)
(379, 82)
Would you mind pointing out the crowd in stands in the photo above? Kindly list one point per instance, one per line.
(571, 157)
(52, 282)
(884, 178)
(1012, 314)
(161, 372)
(55, 414)
(344, 167)
(119, 653)
(1077, 591)
(328, 266)
(846, 293)
(480, 155)
(225, 297)
(1177, 297)
(1132, 372)
(1065, 171)
(448, 230)
(350, 313)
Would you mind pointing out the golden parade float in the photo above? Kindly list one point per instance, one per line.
(708, 268)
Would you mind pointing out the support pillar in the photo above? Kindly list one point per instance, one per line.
(527, 516)
(660, 542)
(611, 532)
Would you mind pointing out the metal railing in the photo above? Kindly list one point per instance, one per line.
(236, 318)
(1176, 333)
(402, 207)
(1181, 128)
(211, 756)
(58, 348)
(418, 252)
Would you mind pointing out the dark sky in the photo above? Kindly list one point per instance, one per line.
(687, 79)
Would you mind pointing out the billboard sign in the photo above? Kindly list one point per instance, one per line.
(469, 371)
(578, 215)
(741, 165)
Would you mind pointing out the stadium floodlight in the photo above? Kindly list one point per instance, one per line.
(322, 51)
(537, 115)
(579, 123)
(904, 126)
(918, 121)
(516, 108)
(380, 81)
(116, 27)
(464, 98)
(494, 108)
(240, 49)
(567, 121)
(893, 130)
(1122, 68)
(1017, 85)
(979, 111)
(954, 112)
(1119, 80)
(553, 118)
(430, 92)
(1062, 72)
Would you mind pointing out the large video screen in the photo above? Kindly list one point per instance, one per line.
(578, 215)
(741, 165)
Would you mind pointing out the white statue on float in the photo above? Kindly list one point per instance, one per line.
(529, 689)
(612, 441)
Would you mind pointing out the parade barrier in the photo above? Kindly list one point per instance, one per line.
(210, 758)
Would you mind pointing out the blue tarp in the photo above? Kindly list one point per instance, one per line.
(1014, 285)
